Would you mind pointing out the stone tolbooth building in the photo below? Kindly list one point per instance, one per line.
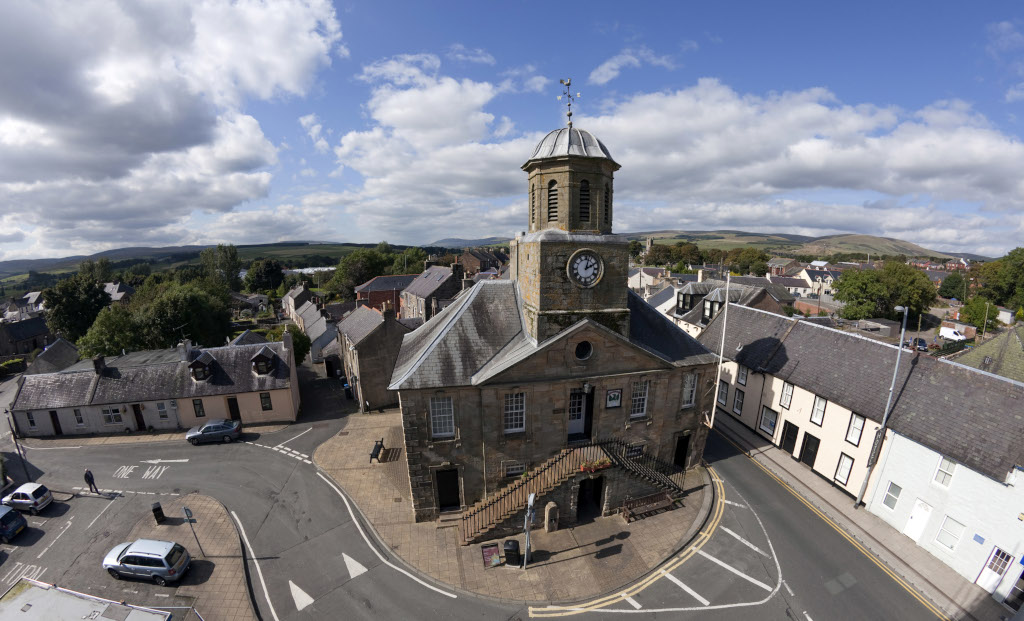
(559, 381)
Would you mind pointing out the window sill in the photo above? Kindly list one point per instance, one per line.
(514, 435)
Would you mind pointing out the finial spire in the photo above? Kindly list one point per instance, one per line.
(567, 93)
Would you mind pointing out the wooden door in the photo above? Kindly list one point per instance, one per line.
(140, 423)
(789, 435)
(918, 520)
(809, 450)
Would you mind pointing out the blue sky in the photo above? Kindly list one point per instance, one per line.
(246, 122)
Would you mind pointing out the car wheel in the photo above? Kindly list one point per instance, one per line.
(113, 574)
(33, 511)
(159, 580)
(194, 441)
(227, 439)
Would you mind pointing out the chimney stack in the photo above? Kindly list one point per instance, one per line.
(183, 350)
(98, 364)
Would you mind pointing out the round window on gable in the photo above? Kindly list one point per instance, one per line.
(583, 350)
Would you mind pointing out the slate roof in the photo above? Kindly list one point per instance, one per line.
(118, 290)
(307, 313)
(26, 329)
(481, 332)
(649, 271)
(294, 292)
(427, 283)
(784, 281)
(386, 283)
(779, 262)
(360, 324)
(411, 322)
(248, 338)
(58, 355)
(1004, 354)
(318, 327)
(970, 416)
(777, 291)
(339, 310)
(815, 274)
(153, 375)
(659, 298)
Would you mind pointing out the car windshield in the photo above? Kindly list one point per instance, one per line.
(8, 518)
(174, 555)
(40, 491)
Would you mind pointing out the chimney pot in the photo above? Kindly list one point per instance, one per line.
(98, 364)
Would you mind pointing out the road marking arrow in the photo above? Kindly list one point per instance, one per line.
(163, 461)
(353, 566)
(302, 599)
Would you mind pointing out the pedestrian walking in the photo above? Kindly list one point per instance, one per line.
(91, 481)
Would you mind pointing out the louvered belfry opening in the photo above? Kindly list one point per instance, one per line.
(553, 201)
(584, 201)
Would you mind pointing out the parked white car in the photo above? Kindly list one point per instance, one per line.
(31, 497)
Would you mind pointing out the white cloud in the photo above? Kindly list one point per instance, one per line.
(525, 79)
(627, 58)
(137, 121)
(1015, 93)
(313, 128)
(1004, 37)
(280, 223)
(504, 128)
(461, 53)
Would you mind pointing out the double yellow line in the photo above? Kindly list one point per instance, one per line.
(856, 544)
(657, 574)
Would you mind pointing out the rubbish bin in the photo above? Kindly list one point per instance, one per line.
(512, 552)
(158, 513)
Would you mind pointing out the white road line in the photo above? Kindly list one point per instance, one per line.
(306, 461)
(788, 590)
(746, 543)
(274, 448)
(632, 602)
(66, 527)
(261, 445)
(374, 549)
(98, 515)
(735, 504)
(679, 583)
(734, 570)
(49, 448)
(808, 616)
(162, 594)
(259, 571)
(289, 440)
(304, 456)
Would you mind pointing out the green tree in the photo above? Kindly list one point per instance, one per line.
(222, 265)
(659, 254)
(115, 330)
(1010, 284)
(300, 341)
(188, 311)
(263, 274)
(877, 293)
(975, 310)
(953, 286)
(409, 262)
(73, 304)
(685, 252)
(356, 268)
(635, 248)
(98, 271)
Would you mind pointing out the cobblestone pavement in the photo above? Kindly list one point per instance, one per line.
(568, 564)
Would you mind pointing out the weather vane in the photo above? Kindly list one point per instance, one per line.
(567, 93)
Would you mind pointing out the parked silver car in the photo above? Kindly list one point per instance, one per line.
(31, 497)
(149, 559)
(216, 430)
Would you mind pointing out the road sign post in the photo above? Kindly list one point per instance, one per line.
(188, 518)
(527, 520)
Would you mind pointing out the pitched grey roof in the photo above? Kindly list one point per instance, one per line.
(659, 298)
(779, 262)
(814, 274)
(294, 292)
(387, 283)
(481, 333)
(153, 375)
(58, 355)
(26, 329)
(318, 327)
(117, 290)
(785, 281)
(337, 311)
(970, 416)
(426, 283)
(411, 322)
(778, 292)
(248, 338)
(360, 324)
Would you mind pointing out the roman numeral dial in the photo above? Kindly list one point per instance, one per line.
(585, 268)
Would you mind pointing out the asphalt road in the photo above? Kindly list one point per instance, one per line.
(769, 556)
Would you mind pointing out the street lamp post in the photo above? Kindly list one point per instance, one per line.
(876, 446)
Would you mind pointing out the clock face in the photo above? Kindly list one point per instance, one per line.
(585, 268)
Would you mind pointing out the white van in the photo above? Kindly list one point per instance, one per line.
(951, 334)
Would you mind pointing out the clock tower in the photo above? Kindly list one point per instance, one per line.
(569, 266)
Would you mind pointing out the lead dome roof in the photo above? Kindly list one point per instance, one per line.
(570, 141)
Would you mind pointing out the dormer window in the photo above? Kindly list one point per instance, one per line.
(202, 367)
(263, 361)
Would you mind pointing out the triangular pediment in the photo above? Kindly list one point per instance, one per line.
(556, 358)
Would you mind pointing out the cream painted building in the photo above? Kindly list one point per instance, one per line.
(161, 389)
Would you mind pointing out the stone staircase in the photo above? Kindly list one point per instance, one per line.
(490, 513)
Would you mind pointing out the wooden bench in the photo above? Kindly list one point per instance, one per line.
(378, 448)
(633, 508)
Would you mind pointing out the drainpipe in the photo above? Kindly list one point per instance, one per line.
(880, 434)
